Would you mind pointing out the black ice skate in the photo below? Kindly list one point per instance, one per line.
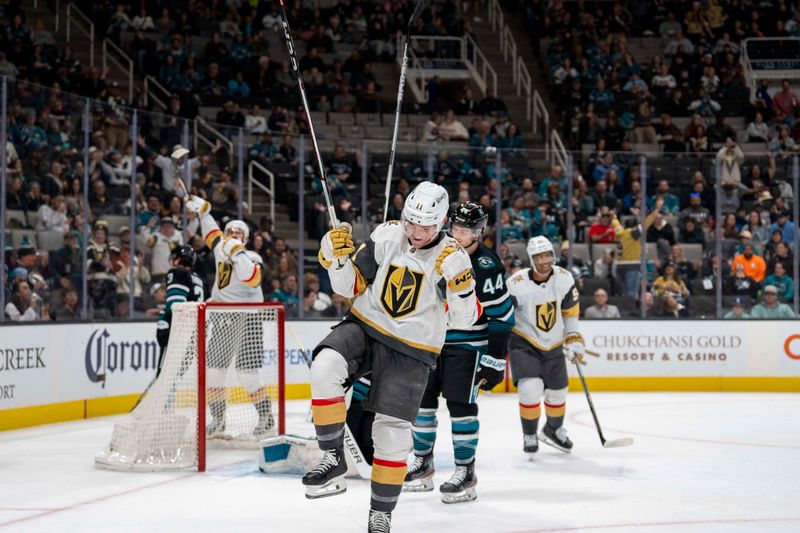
(379, 522)
(557, 438)
(419, 477)
(461, 485)
(530, 443)
(327, 478)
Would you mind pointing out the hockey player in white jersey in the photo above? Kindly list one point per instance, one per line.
(238, 280)
(547, 309)
(408, 280)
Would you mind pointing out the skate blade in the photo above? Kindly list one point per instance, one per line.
(543, 438)
(466, 495)
(424, 484)
(333, 487)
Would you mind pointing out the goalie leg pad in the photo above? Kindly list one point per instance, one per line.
(288, 454)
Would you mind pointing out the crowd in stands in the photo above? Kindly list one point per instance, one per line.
(613, 101)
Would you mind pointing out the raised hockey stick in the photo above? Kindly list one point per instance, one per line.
(287, 34)
(351, 446)
(616, 443)
(403, 67)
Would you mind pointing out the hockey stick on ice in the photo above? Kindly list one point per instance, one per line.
(350, 444)
(287, 34)
(616, 443)
(403, 67)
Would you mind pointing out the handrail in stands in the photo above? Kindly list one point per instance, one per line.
(211, 137)
(556, 152)
(269, 191)
(122, 61)
(150, 85)
(540, 113)
(74, 18)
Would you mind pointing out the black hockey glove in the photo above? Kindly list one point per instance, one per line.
(491, 371)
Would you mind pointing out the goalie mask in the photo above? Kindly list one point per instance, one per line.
(468, 218)
(241, 226)
(425, 212)
(542, 255)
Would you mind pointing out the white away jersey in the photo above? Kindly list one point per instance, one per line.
(403, 299)
(234, 283)
(540, 307)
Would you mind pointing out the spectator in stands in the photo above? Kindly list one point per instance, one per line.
(770, 307)
(102, 291)
(322, 301)
(162, 242)
(739, 283)
(121, 266)
(691, 233)
(758, 130)
(287, 294)
(698, 142)
(668, 200)
(782, 145)
(603, 197)
(344, 102)
(577, 262)
(602, 232)
(738, 310)
(730, 158)
(601, 307)
(705, 106)
(782, 281)
(679, 45)
(781, 254)
(491, 105)
(671, 307)
(660, 231)
(66, 309)
(669, 136)
(24, 305)
(65, 262)
(786, 102)
(755, 226)
(670, 282)
(53, 217)
(699, 214)
(754, 265)
(731, 197)
(785, 226)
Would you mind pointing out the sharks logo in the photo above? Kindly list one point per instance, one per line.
(400, 292)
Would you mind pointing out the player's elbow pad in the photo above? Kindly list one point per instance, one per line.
(247, 270)
(345, 280)
(463, 309)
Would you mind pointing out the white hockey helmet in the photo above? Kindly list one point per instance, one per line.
(427, 205)
(540, 245)
(238, 224)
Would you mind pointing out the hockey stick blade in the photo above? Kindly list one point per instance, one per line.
(618, 443)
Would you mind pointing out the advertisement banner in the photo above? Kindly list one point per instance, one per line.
(43, 365)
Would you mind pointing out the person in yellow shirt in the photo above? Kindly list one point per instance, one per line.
(629, 238)
(754, 265)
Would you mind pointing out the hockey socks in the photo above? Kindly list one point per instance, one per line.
(424, 431)
(555, 414)
(329, 417)
(387, 483)
(529, 415)
(465, 438)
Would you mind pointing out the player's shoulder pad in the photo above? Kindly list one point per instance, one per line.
(564, 278)
(253, 256)
(518, 278)
(487, 259)
(388, 231)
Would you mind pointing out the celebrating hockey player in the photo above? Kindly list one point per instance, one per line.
(183, 285)
(472, 357)
(408, 280)
(546, 330)
(238, 279)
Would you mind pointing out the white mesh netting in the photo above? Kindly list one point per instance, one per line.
(242, 390)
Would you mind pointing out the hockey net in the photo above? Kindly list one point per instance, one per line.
(221, 385)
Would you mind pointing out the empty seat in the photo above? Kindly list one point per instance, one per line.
(116, 222)
(692, 252)
(368, 119)
(351, 132)
(379, 132)
(342, 119)
(327, 131)
(418, 120)
(50, 240)
(388, 119)
(319, 118)
(16, 215)
(18, 235)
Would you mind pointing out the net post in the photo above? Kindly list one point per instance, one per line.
(201, 388)
(281, 372)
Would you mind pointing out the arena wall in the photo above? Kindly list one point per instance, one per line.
(65, 372)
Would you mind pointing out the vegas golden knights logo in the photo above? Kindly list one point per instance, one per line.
(546, 315)
(401, 288)
(224, 273)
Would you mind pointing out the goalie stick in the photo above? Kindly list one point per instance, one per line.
(350, 445)
(403, 67)
(616, 443)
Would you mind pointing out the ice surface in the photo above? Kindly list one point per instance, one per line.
(700, 463)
